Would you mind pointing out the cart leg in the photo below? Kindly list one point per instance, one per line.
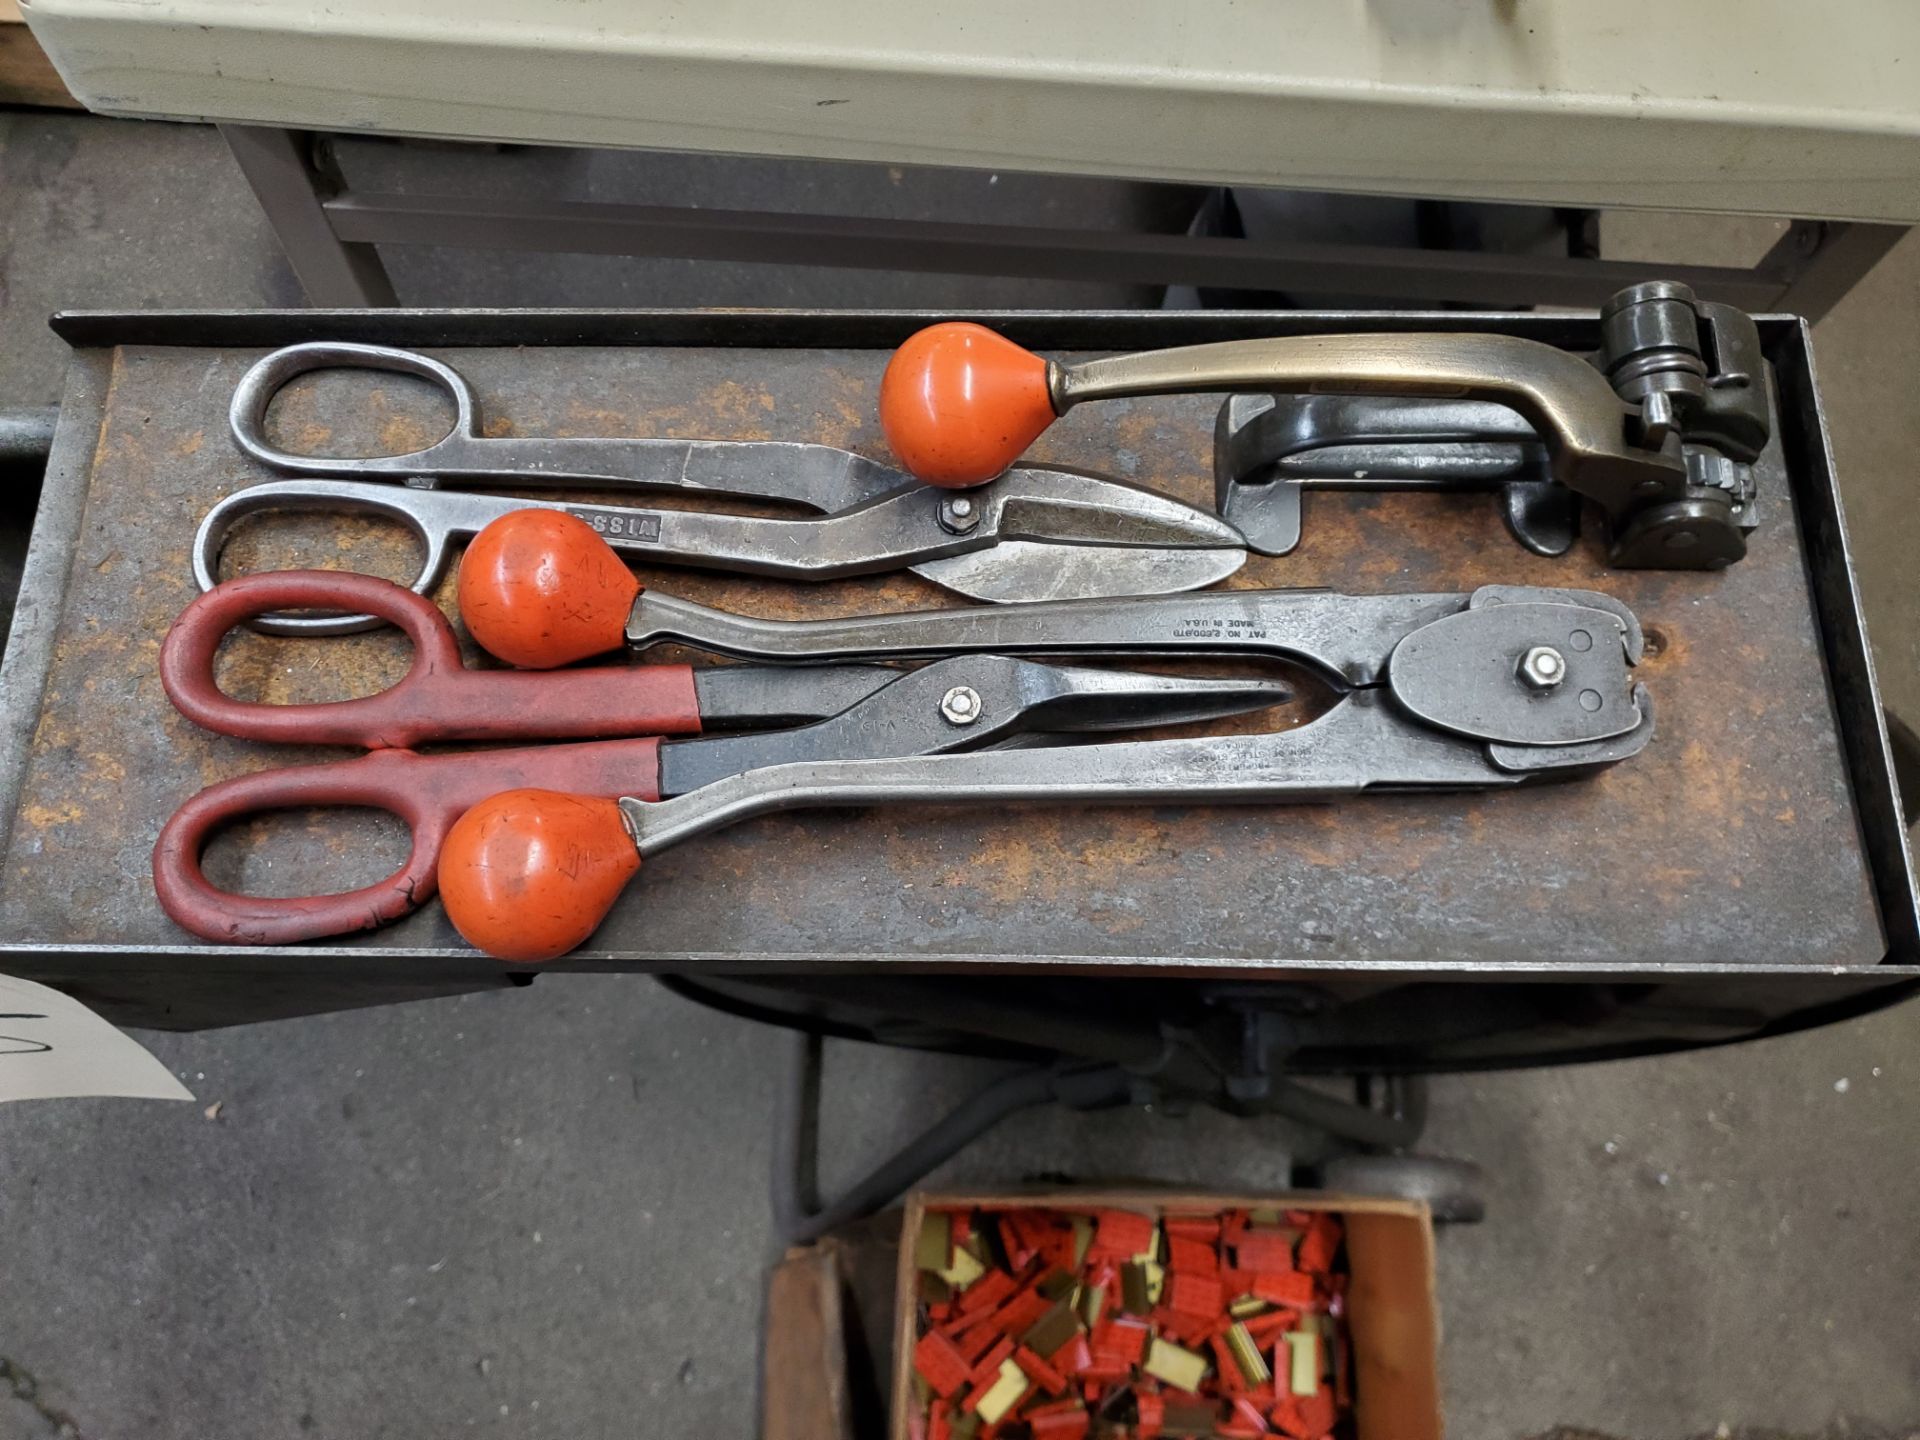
(799, 1218)
(292, 183)
(1821, 260)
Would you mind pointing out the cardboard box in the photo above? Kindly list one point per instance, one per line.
(1392, 1314)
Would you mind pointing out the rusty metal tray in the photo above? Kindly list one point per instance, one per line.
(1758, 836)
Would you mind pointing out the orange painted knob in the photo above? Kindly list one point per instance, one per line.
(539, 588)
(960, 403)
(529, 874)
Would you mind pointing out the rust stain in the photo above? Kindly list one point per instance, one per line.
(741, 409)
(1709, 791)
(281, 670)
(845, 424)
(1050, 855)
(52, 733)
(1674, 879)
(106, 770)
(1012, 869)
(404, 434)
(42, 817)
(676, 422)
(1666, 646)
(1135, 430)
(584, 419)
(190, 444)
(1131, 843)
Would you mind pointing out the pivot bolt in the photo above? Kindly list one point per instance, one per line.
(1543, 667)
(959, 515)
(960, 705)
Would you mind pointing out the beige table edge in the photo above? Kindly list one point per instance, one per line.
(1768, 107)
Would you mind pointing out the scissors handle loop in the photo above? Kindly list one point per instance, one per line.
(247, 415)
(408, 507)
(437, 699)
(428, 792)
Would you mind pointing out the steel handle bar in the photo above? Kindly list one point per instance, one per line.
(1589, 430)
(1347, 638)
(960, 403)
(1362, 744)
(528, 875)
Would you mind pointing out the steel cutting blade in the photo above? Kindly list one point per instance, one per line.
(1065, 535)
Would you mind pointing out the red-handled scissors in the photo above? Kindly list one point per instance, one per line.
(438, 699)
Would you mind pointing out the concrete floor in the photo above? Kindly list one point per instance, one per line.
(544, 1212)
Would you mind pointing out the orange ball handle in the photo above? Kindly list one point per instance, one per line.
(529, 874)
(960, 403)
(540, 588)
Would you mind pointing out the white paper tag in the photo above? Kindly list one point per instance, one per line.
(52, 1046)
